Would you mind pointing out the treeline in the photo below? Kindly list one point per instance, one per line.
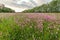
(52, 7)
(6, 10)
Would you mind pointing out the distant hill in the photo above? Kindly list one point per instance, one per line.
(5, 9)
(51, 7)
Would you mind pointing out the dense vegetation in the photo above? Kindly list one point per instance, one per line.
(25, 27)
(10, 30)
(52, 7)
(5, 10)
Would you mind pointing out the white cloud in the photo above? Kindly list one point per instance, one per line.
(20, 5)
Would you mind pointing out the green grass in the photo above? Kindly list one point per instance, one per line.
(51, 31)
(10, 30)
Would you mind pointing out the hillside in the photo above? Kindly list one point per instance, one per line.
(52, 7)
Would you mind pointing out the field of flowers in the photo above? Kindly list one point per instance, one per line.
(32, 26)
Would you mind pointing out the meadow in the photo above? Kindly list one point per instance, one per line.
(25, 26)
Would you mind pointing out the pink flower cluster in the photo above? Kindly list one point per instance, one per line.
(38, 18)
(49, 17)
(42, 15)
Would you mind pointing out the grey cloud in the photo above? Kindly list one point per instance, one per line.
(23, 4)
(31, 3)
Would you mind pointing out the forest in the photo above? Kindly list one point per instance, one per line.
(52, 7)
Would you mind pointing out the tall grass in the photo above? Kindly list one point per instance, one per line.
(51, 31)
(28, 28)
(9, 30)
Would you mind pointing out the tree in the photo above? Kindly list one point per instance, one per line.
(4, 10)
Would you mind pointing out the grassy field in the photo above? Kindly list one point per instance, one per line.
(25, 26)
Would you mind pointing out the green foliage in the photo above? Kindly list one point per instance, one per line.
(52, 7)
(5, 10)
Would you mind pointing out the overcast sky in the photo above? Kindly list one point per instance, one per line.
(20, 5)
